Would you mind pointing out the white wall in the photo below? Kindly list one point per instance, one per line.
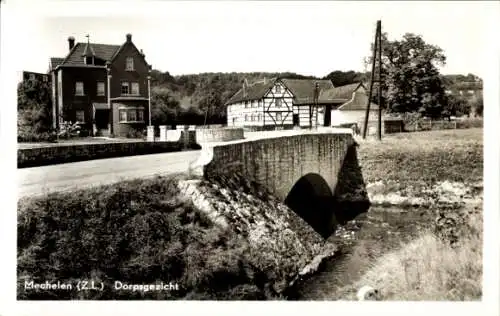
(303, 111)
(356, 116)
(240, 115)
(237, 113)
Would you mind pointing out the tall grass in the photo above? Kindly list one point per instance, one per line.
(429, 268)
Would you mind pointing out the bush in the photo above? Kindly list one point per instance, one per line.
(27, 135)
(136, 232)
(136, 134)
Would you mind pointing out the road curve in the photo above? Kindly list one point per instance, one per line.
(40, 180)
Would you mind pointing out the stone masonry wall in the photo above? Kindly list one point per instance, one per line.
(218, 134)
(278, 163)
(32, 157)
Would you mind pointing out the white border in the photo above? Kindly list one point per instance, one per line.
(13, 13)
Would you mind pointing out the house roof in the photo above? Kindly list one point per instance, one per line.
(344, 92)
(102, 51)
(355, 101)
(55, 61)
(254, 91)
(303, 90)
(88, 51)
(357, 106)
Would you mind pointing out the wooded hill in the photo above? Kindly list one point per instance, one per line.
(200, 98)
(175, 98)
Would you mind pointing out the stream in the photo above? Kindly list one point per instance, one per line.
(365, 239)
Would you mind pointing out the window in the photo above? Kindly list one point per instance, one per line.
(79, 88)
(252, 118)
(246, 104)
(259, 103)
(45, 78)
(129, 63)
(80, 116)
(125, 88)
(259, 117)
(278, 117)
(135, 88)
(123, 115)
(89, 60)
(278, 89)
(100, 88)
(132, 115)
(278, 103)
(246, 117)
(32, 77)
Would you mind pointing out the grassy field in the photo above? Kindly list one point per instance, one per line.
(454, 155)
(429, 267)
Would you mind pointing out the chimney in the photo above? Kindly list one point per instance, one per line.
(71, 42)
(129, 37)
(245, 84)
(316, 91)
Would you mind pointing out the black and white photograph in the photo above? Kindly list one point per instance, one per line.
(287, 151)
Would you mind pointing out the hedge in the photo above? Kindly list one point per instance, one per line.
(42, 156)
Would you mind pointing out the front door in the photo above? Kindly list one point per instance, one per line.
(102, 120)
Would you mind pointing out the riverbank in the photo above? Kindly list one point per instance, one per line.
(398, 247)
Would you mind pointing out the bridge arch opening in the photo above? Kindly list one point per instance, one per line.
(312, 199)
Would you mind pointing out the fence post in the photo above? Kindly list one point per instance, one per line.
(150, 133)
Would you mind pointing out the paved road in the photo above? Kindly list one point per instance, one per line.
(38, 180)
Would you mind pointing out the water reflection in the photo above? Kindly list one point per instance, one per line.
(379, 230)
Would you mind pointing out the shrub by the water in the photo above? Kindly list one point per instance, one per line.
(135, 232)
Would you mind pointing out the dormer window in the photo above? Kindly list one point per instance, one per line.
(129, 64)
(89, 60)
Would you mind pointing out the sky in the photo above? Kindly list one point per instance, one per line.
(310, 38)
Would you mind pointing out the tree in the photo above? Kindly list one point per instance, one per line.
(478, 105)
(164, 106)
(34, 106)
(410, 77)
(456, 106)
(341, 78)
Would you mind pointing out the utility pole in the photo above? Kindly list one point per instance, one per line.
(316, 97)
(379, 26)
(377, 54)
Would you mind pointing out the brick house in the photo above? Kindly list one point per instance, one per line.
(105, 88)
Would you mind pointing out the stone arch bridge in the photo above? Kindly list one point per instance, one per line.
(316, 173)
